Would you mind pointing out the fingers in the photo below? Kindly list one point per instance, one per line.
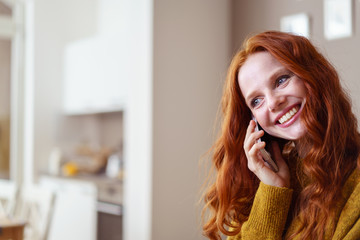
(251, 136)
(255, 149)
(283, 172)
(258, 166)
(255, 160)
(252, 147)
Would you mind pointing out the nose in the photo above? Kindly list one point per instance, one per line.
(274, 101)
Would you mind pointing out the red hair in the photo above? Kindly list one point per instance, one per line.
(331, 143)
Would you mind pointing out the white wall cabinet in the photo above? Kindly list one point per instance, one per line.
(94, 79)
(94, 67)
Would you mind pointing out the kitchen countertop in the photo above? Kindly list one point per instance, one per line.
(110, 190)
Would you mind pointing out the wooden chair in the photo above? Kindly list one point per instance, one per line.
(8, 194)
(35, 206)
(11, 229)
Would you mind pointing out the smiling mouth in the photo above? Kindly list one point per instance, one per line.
(287, 116)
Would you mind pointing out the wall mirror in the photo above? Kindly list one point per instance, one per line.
(5, 89)
(11, 85)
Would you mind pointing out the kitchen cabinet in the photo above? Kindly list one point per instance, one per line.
(93, 77)
(74, 214)
(86, 207)
(95, 66)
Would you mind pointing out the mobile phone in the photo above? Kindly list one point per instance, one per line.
(265, 154)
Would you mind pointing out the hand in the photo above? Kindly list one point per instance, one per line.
(258, 166)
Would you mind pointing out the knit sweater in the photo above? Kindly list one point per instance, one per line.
(269, 213)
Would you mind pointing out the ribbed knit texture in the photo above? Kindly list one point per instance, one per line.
(271, 205)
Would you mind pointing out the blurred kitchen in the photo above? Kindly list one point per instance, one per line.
(107, 106)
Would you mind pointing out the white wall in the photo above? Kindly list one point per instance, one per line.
(138, 120)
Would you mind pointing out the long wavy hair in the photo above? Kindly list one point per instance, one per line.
(331, 143)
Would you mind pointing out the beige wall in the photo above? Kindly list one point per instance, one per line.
(191, 53)
(259, 15)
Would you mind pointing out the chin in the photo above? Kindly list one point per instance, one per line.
(296, 135)
(292, 135)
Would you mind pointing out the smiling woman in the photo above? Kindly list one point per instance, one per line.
(296, 96)
(275, 96)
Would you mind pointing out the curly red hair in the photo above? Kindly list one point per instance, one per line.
(331, 144)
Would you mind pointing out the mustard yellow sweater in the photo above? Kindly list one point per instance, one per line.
(270, 210)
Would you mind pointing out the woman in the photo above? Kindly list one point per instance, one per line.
(313, 192)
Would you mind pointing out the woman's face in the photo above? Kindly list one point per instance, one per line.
(275, 95)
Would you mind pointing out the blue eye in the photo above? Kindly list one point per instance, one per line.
(282, 79)
(255, 102)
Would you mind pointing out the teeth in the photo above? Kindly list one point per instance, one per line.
(287, 116)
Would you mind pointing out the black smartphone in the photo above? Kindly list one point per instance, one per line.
(264, 153)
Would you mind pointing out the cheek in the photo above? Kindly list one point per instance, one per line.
(301, 88)
(262, 119)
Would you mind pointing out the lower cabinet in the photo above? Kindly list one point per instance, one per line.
(109, 226)
(84, 209)
(74, 215)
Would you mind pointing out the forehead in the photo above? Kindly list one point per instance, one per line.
(258, 67)
(258, 63)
